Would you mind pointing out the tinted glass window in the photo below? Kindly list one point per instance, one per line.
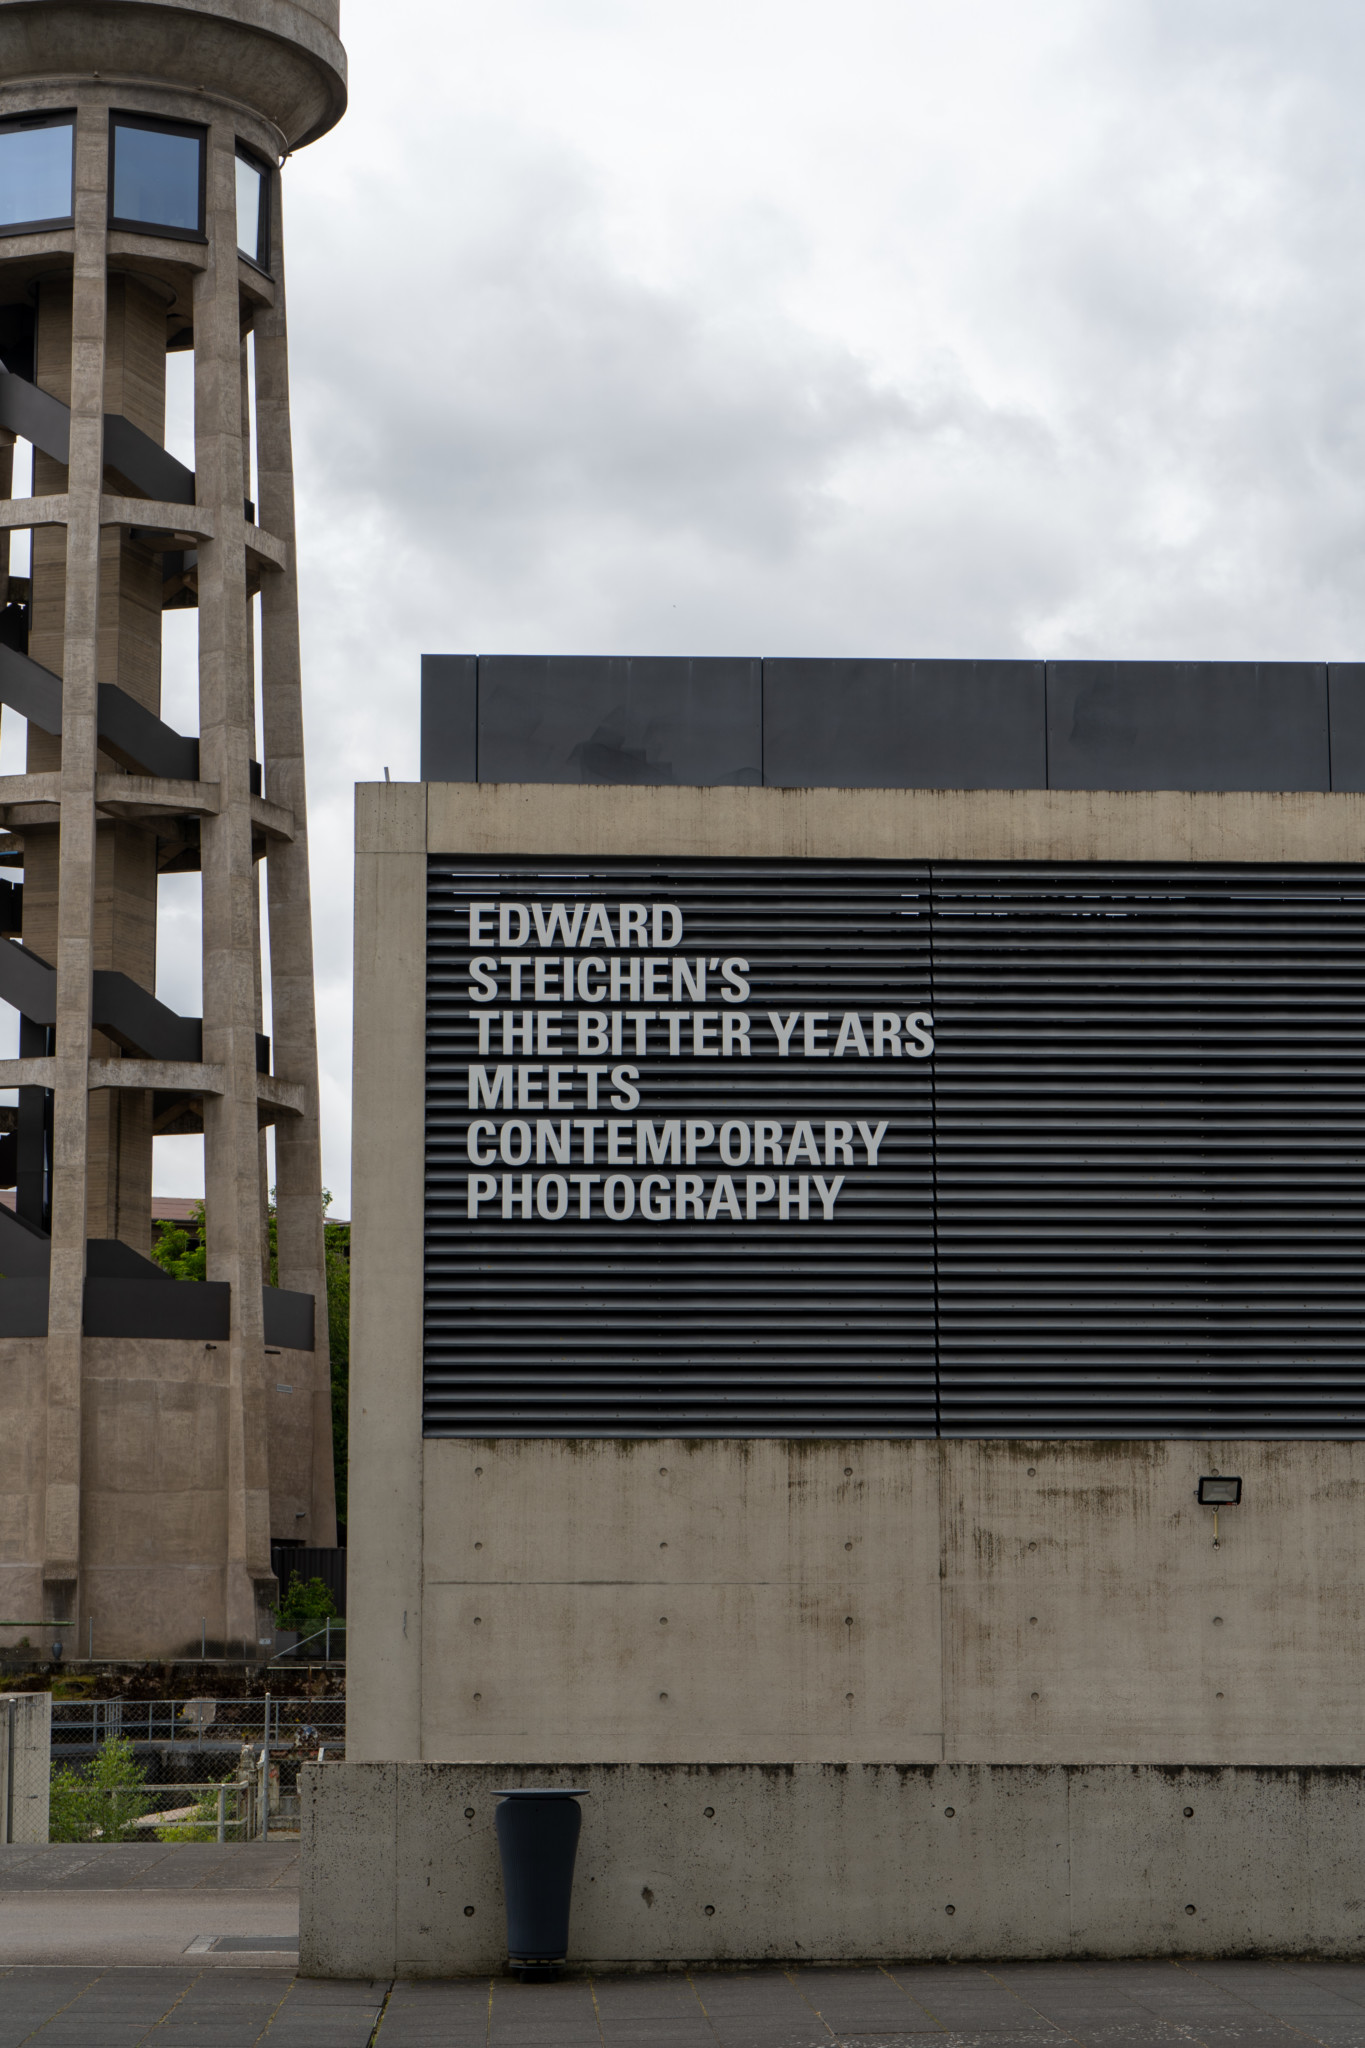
(156, 177)
(249, 183)
(35, 174)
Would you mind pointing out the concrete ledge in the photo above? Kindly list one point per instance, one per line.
(861, 824)
(724, 1863)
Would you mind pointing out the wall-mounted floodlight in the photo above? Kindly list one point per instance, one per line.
(1220, 1493)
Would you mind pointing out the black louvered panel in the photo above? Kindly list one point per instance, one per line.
(723, 1328)
(1150, 1134)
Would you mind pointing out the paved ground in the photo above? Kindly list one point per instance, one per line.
(1029, 2005)
(191, 1946)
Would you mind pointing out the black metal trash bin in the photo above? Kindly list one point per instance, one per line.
(538, 1842)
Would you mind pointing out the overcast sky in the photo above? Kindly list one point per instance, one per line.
(998, 327)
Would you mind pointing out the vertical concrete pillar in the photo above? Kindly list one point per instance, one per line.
(298, 1140)
(76, 872)
(226, 722)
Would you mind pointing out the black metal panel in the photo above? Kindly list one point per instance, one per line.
(288, 1318)
(30, 689)
(141, 741)
(23, 1307)
(199, 1309)
(310, 1561)
(1346, 705)
(144, 463)
(904, 724)
(35, 416)
(450, 718)
(726, 1326)
(1124, 1198)
(1187, 725)
(1150, 1150)
(651, 720)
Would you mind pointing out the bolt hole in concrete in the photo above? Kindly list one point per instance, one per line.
(1218, 1695)
(469, 1813)
(1033, 1471)
(848, 1546)
(948, 1812)
(663, 1621)
(710, 1912)
(469, 1912)
(848, 1621)
(663, 1546)
(1033, 1695)
(710, 1812)
(478, 1695)
(848, 1471)
(848, 1696)
(1189, 1813)
(950, 1909)
(663, 1471)
(1218, 1621)
(1189, 1909)
(478, 1471)
(1033, 1546)
(1033, 1619)
(478, 1546)
(663, 1695)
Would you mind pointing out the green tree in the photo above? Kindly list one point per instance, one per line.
(178, 1253)
(100, 1802)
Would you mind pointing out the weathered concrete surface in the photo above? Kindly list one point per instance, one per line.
(823, 1862)
(981, 1602)
(884, 824)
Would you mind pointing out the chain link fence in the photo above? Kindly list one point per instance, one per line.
(194, 1769)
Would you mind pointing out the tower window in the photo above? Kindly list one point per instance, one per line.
(253, 209)
(36, 158)
(156, 179)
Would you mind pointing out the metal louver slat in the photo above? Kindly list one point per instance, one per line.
(597, 1328)
(1122, 1199)
(1150, 1127)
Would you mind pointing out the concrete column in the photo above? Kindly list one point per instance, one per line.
(298, 1140)
(226, 721)
(76, 873)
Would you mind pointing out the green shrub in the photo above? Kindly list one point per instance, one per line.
(101, 1801)
(305, 1606)
(202, 1824)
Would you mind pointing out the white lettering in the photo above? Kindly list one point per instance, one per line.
(620, 1187)
(803, 1145)
(673, 936)
(481, 1187)
(662, 1212)
(627, 1096)
(838, 1144)
(529, 1087)
(723, 1196)
(514, 1144)
(921, 1029)
(687, 986)
(598, 925)
(592, 1031)
(556, 1185)
(585, 1183)
(784, 1030)
(872, 1139)
(801, 1198)
(633, 920)
(477, 913)
(588, 1125)
(704, 1027)
(598, 969)
(558, 1140)
(734, 1034)
(594, 1075)
(506, 912)
(557, 920)
(487, 1095)
(484, 987)
(767, 1144)
(511, 1195)
(700, 1134)
(547, 1030)
(557, 1093)
(690, 1189)
(484, 1019)
(758, 1187)
(815, 1026)
(480, 1129)
(661, 1148)
(885, 1035)
(828, 1195)
(851, 1037)
(733, 973)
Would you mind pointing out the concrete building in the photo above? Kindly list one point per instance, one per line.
(857, 1349)
(155, 1435)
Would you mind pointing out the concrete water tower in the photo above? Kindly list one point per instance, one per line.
(157, 1435)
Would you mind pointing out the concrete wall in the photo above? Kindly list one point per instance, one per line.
(25, 1765)
(819, 1862)
(869, 1602)
(731, 1601)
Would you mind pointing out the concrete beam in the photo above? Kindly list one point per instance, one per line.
(880, 824)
